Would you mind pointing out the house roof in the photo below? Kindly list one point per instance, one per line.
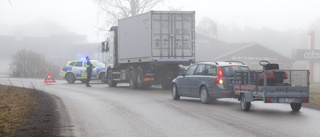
(215, 50)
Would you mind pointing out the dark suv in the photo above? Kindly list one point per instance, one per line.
(207, 81)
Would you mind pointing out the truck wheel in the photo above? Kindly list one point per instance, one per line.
(295, 106)
(70, 78)
(245, 106)
(204, 96)
(110, 79)
(140, 77)
(174, 91)
(132, 81)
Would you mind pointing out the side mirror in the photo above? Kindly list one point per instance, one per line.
(181, 73)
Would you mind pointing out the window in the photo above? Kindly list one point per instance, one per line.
(229, 70)
(79, 64)
(72, 63)
(212, 70)
(200, 70)
(96, 63)
(191, 70)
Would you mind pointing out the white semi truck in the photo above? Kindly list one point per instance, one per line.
(147, 49)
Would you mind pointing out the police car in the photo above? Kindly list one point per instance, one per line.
(76, 70)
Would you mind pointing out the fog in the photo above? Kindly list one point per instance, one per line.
(66, 25)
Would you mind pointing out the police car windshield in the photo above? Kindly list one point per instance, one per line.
(228, 71)
(97, 63)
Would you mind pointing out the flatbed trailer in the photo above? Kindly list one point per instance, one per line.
(285, 86)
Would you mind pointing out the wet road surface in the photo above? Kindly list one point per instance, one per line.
(105, 111)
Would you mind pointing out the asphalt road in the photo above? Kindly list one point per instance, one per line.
(114, 112)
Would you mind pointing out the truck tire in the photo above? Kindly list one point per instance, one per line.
(204, 96)
(111, 83)
(70, 78)
(295, 106)
(174, 92)
(245, 106)
(132, 82)
(140, 77)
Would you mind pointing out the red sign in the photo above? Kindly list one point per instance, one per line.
(49, 79)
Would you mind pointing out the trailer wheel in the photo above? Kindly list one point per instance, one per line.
(132, 82)
(204, 96)
(295, 106)
(245, 106)
(174, 91)
(110, 79)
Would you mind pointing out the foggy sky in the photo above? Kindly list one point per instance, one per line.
(82, 16)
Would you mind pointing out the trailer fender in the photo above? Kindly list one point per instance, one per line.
(248, 95)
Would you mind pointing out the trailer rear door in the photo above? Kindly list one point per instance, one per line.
(173, 35)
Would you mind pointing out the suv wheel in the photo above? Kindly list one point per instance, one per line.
(204, 96)
(70, 78)
(103, 78)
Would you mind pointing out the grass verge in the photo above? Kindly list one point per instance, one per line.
(16, 104)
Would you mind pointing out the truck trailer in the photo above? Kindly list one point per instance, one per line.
(147, 49)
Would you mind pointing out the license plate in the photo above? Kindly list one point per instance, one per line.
(286, 100)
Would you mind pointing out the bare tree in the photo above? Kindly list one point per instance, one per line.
(207, 26)
(30, 64)
(118, 9)
(10, 2)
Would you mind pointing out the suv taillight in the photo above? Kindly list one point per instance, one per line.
(220, 74)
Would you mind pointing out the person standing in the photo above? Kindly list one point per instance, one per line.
(89, 70)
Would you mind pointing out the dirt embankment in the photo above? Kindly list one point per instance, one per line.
(27, 112)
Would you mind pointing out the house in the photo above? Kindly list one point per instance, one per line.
(212, 49)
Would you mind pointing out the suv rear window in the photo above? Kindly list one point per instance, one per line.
(228, 71)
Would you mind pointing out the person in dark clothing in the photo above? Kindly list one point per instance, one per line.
(89, 70)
